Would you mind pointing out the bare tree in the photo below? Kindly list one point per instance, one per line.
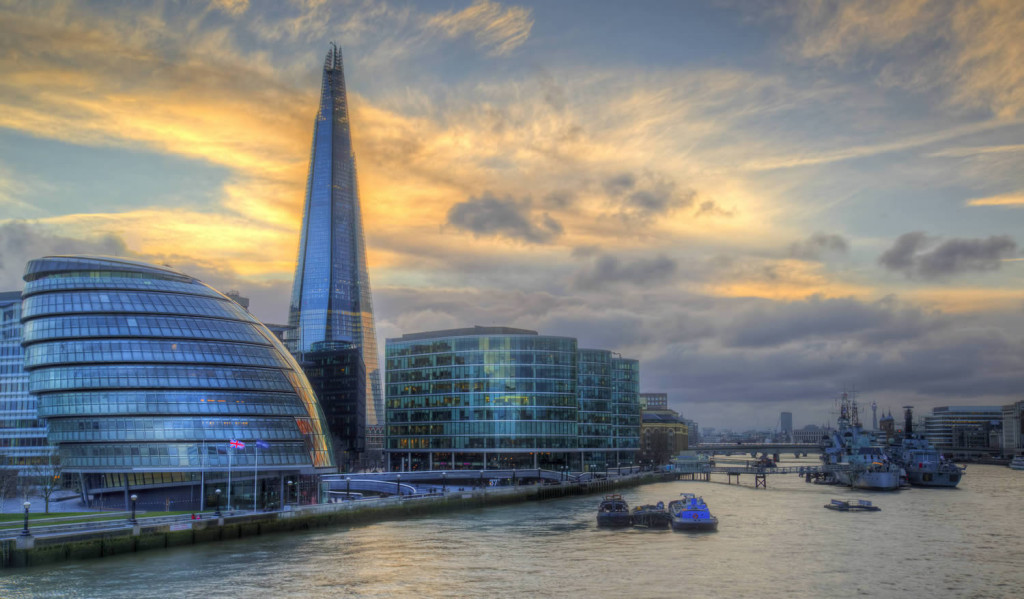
(43, 479)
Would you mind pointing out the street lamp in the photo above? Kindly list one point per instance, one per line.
(24, 531)
(289, 498)
(217, 513)
(132, 520)
(444, 482)
(398, 485)
(348, 486)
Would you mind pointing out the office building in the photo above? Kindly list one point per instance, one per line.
(145, 375)
(331, 303)
(23, 446)
(964, 429)
(500, 397)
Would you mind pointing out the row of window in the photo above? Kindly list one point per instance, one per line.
(65, 327)
(161, 376)
(169, 402)
(152, 350)
(132, 301)
(172, 429)
(482, 357)
(484, 343)
(185, 456)
(536, 443)
(485, 386)
(489, 371)
(493, 428)
(115, 282)
(561, 400)
(512, 414)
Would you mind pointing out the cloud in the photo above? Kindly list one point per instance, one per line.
(817, 245)
(645, 197)
(1014, 199)
(955, 256)
(22, 241)
(235, 8)
(495, 28)
(971, 50)
(607, 269)
(508, 217)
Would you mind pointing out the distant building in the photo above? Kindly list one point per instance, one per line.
(500, 397)
(236, 297)
(966, 428)
(654, 401)
(23, 445)
(1013, 429)
(663, 432)
(145, 375)
(810, 434)
(786, 420)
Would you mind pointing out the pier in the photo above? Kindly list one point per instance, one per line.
(698, 470)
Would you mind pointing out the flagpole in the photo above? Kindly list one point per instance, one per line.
(256, 477)
(202, 478)
(230, 451)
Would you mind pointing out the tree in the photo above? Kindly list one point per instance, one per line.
(43, 478)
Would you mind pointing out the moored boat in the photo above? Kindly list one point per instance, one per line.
(691, 513)
(1017, 463)
(651, 516)
(845, 505)
(924, 465)
(613, 512)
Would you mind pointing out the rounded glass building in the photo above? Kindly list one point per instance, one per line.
(145, 375)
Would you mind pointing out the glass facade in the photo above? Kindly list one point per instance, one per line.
(23, 445)
(496, 397)
(331, 301)
(138, 367)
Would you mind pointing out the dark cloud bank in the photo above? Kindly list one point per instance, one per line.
(918, 256)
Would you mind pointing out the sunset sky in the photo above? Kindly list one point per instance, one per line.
(764, 202)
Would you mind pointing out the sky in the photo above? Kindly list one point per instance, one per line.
(766, 203)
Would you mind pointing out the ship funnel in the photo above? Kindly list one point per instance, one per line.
(908, 420)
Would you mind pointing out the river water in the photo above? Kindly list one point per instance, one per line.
(775, 542)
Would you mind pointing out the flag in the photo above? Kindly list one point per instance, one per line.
(261, 444)
(236, 444)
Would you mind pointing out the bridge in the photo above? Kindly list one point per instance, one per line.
(754, 449)
(696, 470)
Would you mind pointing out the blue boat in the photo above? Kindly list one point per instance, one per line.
(613, 512)
(691, 513)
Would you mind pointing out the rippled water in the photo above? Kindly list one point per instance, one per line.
(778, 542)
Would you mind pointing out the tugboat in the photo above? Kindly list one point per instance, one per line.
(613, 512)
(651, 516)
(691, 513)
(924, 465)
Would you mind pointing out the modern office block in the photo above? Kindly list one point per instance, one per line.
(331, 301)
(499, 397)
(145, 375)
(23, 446)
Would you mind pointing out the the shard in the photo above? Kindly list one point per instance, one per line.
(331, 305)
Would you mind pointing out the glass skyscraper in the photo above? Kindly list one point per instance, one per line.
(331, 302)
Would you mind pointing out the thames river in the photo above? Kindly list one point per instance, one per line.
(775, 542)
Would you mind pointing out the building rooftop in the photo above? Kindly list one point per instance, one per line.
(465, 332)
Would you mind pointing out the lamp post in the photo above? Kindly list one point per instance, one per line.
(289, 499)
(132, 520)
(348, 487)
(217, 513)
(398, 485)
(444, 482)
(24, 531)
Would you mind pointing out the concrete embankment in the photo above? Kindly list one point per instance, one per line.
(107, 540)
